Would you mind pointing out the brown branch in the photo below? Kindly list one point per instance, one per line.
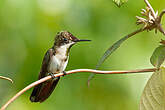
(70, 72)
(6, 78)
(159, 22)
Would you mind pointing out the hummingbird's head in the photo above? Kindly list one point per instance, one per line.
(66, 38)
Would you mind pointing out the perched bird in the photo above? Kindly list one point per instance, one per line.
(55, 61)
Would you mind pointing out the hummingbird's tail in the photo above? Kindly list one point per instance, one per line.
(42, 91)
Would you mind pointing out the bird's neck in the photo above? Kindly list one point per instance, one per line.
(63, 50)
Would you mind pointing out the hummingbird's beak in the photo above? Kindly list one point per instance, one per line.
(80, 40)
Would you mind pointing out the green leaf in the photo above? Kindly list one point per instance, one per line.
(153, 96)
(158, 56)
(119, 3)
(108, 52)
(113, 48)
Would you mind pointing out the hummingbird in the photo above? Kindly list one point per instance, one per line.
(54, 61)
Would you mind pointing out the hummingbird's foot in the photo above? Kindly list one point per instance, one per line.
(64, 73)
(52, 75)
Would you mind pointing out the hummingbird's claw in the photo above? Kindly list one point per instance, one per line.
(64, 73)
(52, 75)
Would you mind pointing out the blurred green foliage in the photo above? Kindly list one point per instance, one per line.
(27, 30)
(119, 3)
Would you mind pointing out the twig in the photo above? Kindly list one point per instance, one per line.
(6, 78)
(71, 72)
(161, 15)
(159, 20)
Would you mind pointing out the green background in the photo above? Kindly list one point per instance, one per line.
(28, 28)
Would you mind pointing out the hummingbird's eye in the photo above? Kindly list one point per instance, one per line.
(65, 39)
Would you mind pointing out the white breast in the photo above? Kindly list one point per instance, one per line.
(58, 62)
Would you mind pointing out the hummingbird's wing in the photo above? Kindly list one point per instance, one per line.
(44, 90)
